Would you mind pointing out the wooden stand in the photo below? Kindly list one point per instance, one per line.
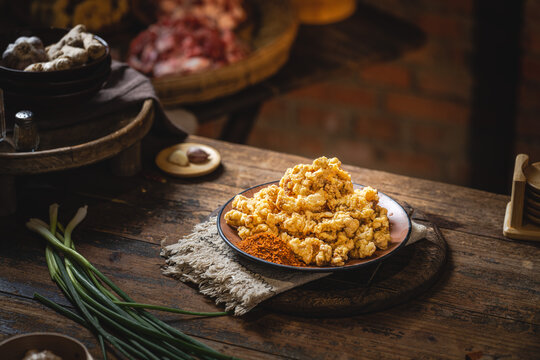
(115, 136)
(515, 225)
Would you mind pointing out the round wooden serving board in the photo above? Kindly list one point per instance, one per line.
(391, 282)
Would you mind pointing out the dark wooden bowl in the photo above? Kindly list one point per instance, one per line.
(48, 36)
(35, 90)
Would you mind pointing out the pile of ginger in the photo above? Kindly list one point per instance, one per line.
(76, 48)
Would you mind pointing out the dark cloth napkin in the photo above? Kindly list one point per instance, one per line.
(124, 88)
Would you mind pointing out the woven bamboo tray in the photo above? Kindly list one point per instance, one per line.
(274, 29)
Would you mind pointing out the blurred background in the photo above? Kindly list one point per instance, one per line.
(418, 115)
(456, 109)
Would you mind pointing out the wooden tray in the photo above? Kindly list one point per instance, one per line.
(391, 282)
(275, 29)
(116, 136)
(80, 144)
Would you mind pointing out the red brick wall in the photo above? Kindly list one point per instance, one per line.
(408, 116)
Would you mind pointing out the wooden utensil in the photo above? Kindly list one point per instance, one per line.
(519, 222)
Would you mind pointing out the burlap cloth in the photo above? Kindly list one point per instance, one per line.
(204, 259)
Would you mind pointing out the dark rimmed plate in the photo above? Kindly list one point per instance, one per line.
(400, 230)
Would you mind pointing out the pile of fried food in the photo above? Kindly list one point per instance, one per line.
(76, 48)
(318, 213)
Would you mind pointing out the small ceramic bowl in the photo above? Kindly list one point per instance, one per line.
(15, 347)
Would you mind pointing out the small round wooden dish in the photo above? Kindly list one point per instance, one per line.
(275, 25)
(400, 230)
(191, 170)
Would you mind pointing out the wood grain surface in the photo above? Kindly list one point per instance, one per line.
(487, 299)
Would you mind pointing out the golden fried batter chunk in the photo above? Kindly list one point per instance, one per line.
(317, 212)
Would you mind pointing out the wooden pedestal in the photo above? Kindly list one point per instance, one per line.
(115, 136)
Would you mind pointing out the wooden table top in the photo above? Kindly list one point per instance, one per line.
(487, 300)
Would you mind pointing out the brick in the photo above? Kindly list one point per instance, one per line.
(454, 84)
(310, 146)
(273, 139)
(338, 94)
(353, 152)
(317, 119)
(428, 136)
(444, 26)
(387, 75)
(458, 172)
(352, 96)
(424, 55)
(275, 108)
(380, 129)
(447, 112)
(439, 54)
(211, 129)
(316, 91)
(413, 163)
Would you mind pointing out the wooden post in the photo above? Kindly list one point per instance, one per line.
(518, 191)
(127, 162)
(8, 197)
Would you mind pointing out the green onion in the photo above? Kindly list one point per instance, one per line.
(105, 309)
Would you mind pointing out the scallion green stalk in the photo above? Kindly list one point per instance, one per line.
(131, 330)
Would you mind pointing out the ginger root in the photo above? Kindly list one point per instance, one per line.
(23, 52)
(75, 48)
(72, 38)
(61, 63)
(77, 38)
(77, 55)
(94, 47)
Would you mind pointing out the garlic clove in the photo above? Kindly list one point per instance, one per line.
(178, 157)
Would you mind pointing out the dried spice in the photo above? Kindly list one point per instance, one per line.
(271, 248)
(197, 155)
